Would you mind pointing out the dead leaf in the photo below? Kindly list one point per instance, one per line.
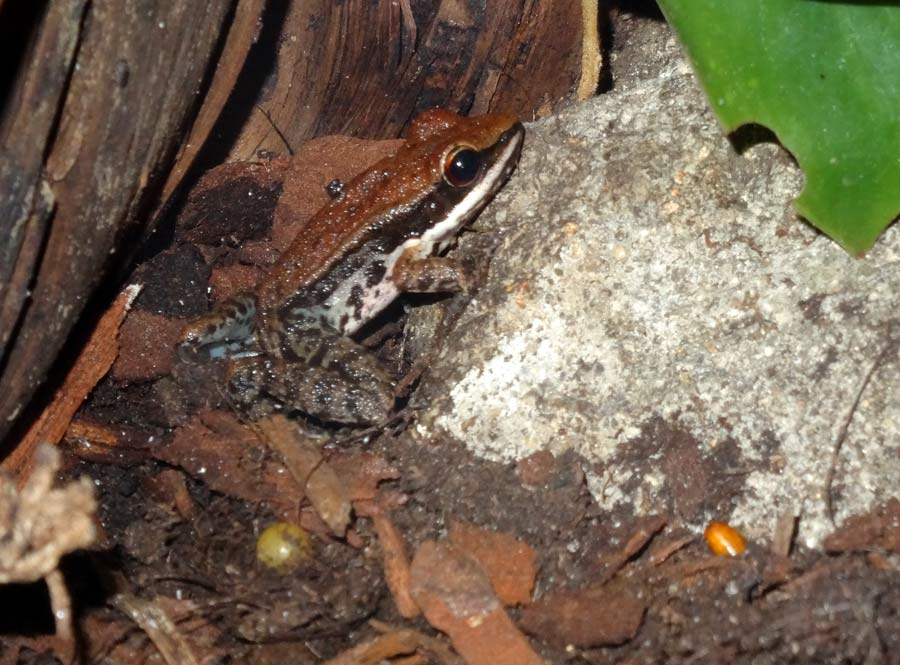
(218, 449)
(456, 597)
(92, 364)
(302, 456)
(510, 564)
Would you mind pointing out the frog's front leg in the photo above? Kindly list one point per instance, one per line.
(413, 273)
(324, 375)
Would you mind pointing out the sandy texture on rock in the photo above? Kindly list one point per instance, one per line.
(646, 273)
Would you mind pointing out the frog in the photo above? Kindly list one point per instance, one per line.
(290, 340)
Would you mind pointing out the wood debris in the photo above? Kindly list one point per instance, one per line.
(394, 642)
(510, 564)
(302, 455)
(92, 364)
(217, 448)
(456, 597)
(158, 626)
(396, 564)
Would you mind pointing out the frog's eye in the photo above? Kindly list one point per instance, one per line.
(462, 165)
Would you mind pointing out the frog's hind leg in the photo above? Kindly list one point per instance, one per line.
(326, 376)
(230, 323)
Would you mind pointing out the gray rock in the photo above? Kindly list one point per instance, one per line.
(655, 304)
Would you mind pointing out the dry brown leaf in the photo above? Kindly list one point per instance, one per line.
(396, 564)
(217, 448)
(325, 490)
(92, 364)
(456, 597)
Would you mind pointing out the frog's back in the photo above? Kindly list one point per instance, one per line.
(337, 271)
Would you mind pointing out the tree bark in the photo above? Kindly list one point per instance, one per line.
(93, 121)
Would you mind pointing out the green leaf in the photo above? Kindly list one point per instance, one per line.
(825, 77)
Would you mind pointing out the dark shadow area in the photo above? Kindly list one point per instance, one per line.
(643, 8)
(752, 134)
(20, 23)
(607, 37)
(26, 609)
(611, 25)
(749, 135)
(258, 69)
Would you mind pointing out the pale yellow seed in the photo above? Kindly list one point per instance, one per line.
(283, 546)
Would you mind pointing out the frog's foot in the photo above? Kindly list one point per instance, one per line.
(432, 274)
(339, 383)
(221, 331)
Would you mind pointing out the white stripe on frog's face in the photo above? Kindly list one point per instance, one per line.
(338, 309)
(439, 237)
(477, 197)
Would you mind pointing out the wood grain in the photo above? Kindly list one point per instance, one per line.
(367, 68)
(99, 109)
(25, 131)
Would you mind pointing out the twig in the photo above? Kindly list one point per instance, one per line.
(61, 603)
(158, 626)
(891, 345)
(275, 128)
(590, 50)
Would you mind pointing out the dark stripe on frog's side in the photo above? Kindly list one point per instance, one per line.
(375, 272)
(363, 260)
(355, 301)
(368, 255)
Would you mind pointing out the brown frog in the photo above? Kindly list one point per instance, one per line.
(383, 233)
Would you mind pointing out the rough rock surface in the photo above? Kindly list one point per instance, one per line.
(655, 304)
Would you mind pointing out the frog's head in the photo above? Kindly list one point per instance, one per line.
(456, 164)
(445, 173)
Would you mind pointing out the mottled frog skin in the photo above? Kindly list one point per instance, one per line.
(382, 234)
